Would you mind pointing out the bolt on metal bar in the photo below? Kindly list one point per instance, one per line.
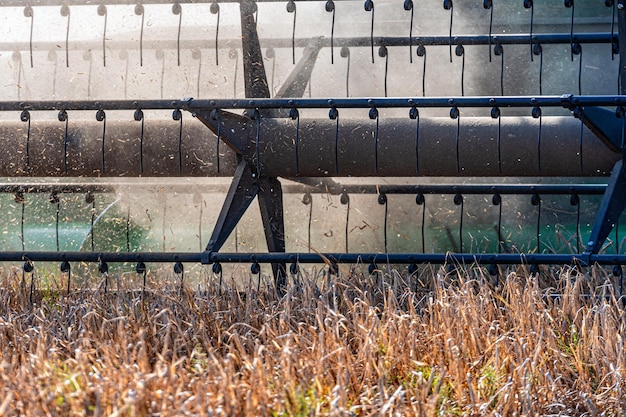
(330, 188)
(568, 101)
(537, 39)
(350, 258)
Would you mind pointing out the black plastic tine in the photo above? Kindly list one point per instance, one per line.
(447, 5)
(330, 8)
(256, 115)
(498, 50)
(179, 269)
(138, 116)
(291, 8)
(67, 269)
(271, 54)
(488, 5)
(421, 201)
(528, 4)
(25, 117)
(255, 269)
(458, 201)
(63, 117)
(577, 49)
(22, 225)
(614, 48)
(54, 199)
(369, 7)
(345, 53)
(580, 141)
(233, 54)
(538, 50)
(196, 53)
(197, 198)
(495, 114)
(384, 53)
(102, 11)
(103, 268)
(215, 9)
(575, 201)
(382, 200)
(570, 4)
(29, 268)
(460, 51)
(333, 114)
(141, 269)
(536, 113)
(415, 114)
(408, 6)
(91, 199)
(373, 115)
(496, 200)
(101, 117)
(164, 222)
(217, 270)
(536, 201)
(295, 115)
(216, 114)
(421, 51)
(128, 227)
(177, 9)
(307, 200)
(19, 199)
(28, 12)
(178, 116)
(139, 11)
(345, 200)
(65, 12)
(579, 113)
(294, 270)
(455, 114)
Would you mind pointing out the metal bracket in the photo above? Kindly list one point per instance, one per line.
(244, 187)
(296, 82)
(255, 79)
(232, 128)
(611, 208)
(609, 130)
(605, 124)
(271, 205)
(242, 191)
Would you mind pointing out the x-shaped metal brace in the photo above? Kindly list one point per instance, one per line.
(244, 187)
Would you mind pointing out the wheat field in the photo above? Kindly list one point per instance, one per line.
(453, 342)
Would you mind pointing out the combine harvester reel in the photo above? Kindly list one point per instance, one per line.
(479, 125)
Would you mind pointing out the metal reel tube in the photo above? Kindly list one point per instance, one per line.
(437, 151)
(318, 143)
